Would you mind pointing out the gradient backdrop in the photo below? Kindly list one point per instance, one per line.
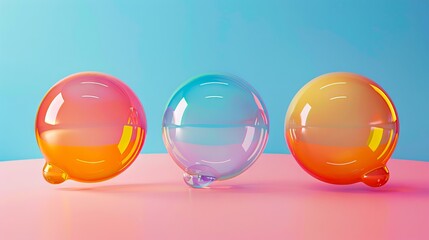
(154, 46)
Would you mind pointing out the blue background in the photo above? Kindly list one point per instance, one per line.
(154, 46)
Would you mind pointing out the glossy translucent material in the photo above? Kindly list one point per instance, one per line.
(214, 128)
(342, 128)
(90, 127)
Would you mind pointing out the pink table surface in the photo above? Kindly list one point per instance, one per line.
(274, 199)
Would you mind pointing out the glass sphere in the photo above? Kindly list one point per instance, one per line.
(90, 127)
(342, 128)
(214, 128)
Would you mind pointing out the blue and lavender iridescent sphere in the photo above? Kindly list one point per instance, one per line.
(214, 128)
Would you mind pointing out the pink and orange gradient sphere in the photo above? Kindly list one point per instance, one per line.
(342, 128)
(90, 127)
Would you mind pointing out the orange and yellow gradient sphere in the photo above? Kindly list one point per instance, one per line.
(90, 127)
(342, 128)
